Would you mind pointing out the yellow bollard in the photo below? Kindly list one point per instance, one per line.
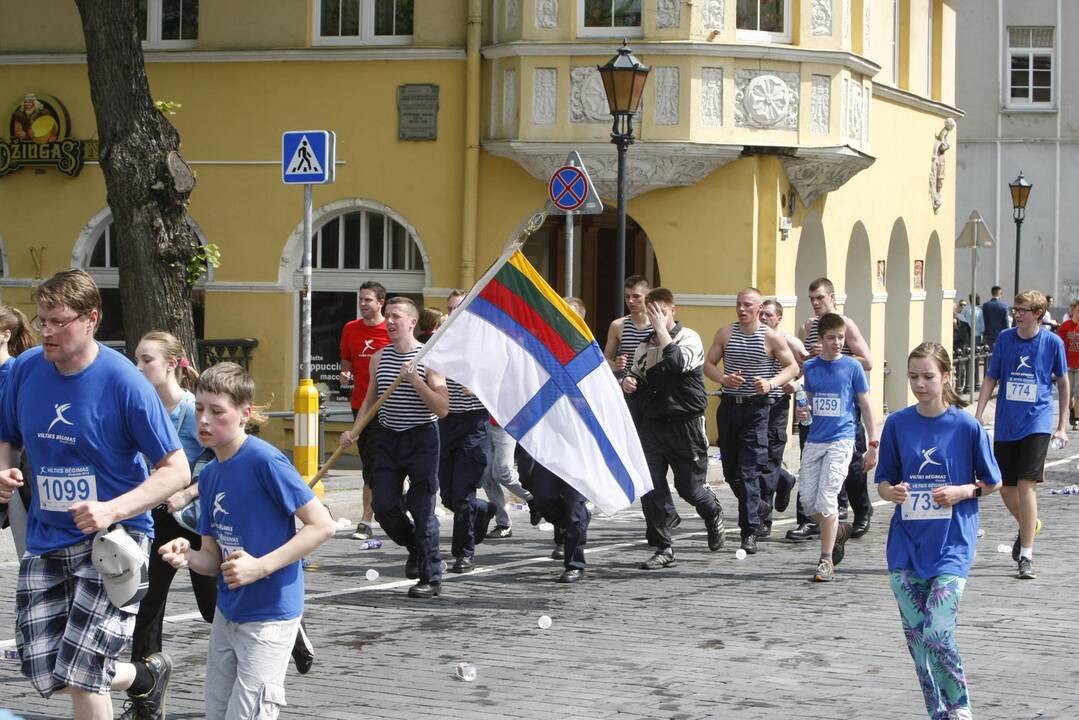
(305, 433)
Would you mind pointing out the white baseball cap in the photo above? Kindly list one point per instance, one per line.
(123, 566)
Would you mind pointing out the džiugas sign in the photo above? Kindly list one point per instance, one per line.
(38, 129)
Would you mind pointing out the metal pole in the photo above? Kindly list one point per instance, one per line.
(620, 255)
(1018, 241)
(973, 317)
(305, 298)
(569, 254)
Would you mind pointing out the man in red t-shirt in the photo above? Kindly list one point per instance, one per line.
(361, 339)
(1069, 333)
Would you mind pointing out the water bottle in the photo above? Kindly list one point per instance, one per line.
(465, 671)
(372, 544)
(1056, 443)
(800, 402)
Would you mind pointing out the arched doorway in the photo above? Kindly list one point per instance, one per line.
(811, 263)
(934, 291)
(594, 249)
(353, 240)
(897, 318)
(858, 282)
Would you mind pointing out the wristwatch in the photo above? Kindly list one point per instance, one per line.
(977, 491)
(873, 443)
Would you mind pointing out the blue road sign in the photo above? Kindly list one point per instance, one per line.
(307, 157)
(568, 188)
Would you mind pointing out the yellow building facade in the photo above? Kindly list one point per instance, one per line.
(777, 141)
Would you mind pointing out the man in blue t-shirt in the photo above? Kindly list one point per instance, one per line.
(834, 383)
(86, 417)
(1027, 361)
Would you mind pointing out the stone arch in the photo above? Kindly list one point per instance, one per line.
(810, 264)
(858, 281)
(934, 291)
(897, 318)
(292, 253)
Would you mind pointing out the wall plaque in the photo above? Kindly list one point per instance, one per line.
(417, 112)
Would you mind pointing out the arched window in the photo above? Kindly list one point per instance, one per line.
(353, 241)
(97, 253)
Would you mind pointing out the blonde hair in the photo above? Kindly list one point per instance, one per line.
(186, 373)
(230, 379)
(938, 354)
(576, 303)
(14, 320)
(1037, 302)
(430, 319)
(73, 288)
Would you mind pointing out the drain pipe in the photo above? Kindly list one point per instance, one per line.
(470, 203)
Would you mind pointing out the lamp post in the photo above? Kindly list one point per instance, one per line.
(1020, 192)
(623, 81)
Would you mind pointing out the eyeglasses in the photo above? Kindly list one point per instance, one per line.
(39, 323)
(1021, 310)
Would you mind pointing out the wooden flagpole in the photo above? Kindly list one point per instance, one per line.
(533, 224)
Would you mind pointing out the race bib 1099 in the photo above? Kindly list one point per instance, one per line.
(57, 493)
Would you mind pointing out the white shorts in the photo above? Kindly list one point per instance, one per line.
(1073, 378)
(824, 468)
(245, 670)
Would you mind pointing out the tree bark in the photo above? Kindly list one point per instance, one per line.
(147, 182)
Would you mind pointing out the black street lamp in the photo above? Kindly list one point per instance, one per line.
(1020, 192)
(623, 81)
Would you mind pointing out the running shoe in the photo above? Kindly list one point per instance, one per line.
(1015, 545)
(500, 532)
(825, 571)
(1026, 569)
(363, 532)
(839, 550)
(662, 559)
(151, 704)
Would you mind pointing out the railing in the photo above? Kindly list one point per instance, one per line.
(211, 352)
(961, 365)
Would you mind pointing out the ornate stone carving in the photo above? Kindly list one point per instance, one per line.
(866, 104)
(546, 13)
(714, 14)
(666, 95)
(649, 167)
(867, 35)
(766, 99)
(821, 104)
(513, 14)
(820, 17)
(712, 96)
(846, 23)
(588, 101)
(545, 96)
(668, 13)
(815, 171)
(509, 99)
(936, 169)
(855, 107)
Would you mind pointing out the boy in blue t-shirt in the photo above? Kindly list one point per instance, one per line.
(250, 497)
(834, 382)
(1027, 361)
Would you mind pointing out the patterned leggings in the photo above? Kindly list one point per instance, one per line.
(929, 609)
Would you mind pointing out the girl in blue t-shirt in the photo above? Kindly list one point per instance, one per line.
(935, 461)
(251, 496)
(161, 359)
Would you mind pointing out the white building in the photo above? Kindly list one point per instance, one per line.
(1017, 79)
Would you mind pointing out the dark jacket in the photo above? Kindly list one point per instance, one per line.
(670, 382)
(995, 313)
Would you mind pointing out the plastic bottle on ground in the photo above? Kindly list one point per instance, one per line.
(544, 622)
(371, 544)
(465, 671)
(371, 575)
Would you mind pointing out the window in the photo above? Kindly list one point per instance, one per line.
(104, 266)
(764, 20)
(169, 24)
(609, 18)
(346, 250)
(363, 22)
(1030, 67)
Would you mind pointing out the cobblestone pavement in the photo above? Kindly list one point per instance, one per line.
(714, 637)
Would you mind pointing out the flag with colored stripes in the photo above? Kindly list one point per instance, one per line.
(534, 364)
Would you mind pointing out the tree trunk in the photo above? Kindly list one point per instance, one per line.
(147, 181)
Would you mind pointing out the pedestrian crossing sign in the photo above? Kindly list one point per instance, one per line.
(307, 157)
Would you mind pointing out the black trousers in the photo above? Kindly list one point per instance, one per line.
(560, 504)
(462, 460)
(855, 492)
(150, 621)
(411, 453)
(774, 474)
(678, 444)
(743, 447)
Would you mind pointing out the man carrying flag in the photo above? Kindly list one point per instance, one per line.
(533, 362)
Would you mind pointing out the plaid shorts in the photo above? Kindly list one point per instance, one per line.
(67, 632)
